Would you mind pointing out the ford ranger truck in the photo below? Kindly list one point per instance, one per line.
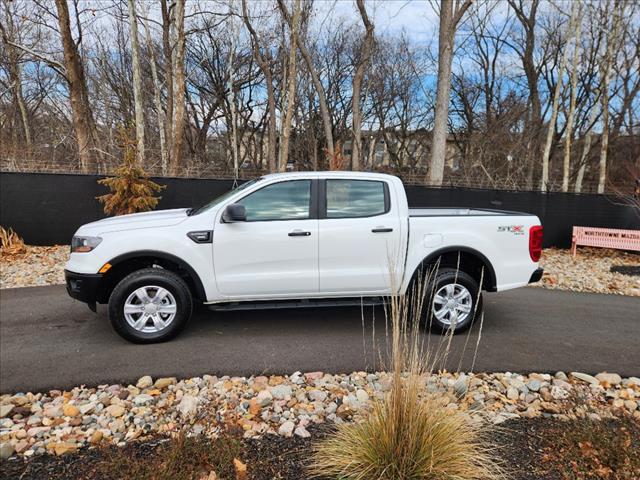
(299, 239)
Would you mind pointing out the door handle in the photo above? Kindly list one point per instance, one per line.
(299, 233)
(382, 230)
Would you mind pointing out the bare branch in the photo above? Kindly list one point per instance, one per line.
(57, 66)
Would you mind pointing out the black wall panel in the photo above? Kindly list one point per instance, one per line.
(46, 209)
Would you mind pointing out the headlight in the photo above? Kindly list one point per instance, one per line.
(84, 244)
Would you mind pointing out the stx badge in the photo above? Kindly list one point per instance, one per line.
(515, 229)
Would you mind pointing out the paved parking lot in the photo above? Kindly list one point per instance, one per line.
(48, 340)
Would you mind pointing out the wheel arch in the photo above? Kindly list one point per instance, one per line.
(129, 262)
(470, 258)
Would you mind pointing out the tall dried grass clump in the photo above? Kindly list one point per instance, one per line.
(408, 434)
(10, 242)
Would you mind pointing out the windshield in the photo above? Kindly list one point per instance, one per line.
(223, 197)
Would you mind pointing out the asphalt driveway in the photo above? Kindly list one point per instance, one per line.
(48, 340)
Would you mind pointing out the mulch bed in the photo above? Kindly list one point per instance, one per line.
(631, 270)
(538, 448)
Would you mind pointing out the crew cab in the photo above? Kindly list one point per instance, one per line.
(299, 239)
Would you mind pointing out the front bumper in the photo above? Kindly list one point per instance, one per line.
(83, 287)
(536, 276)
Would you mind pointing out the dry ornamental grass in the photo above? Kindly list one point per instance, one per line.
(409, 434)
(10, 243)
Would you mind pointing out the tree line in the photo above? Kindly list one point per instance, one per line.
(522, 94)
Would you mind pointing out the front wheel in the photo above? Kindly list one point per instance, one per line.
(454, 301)
(150, 305)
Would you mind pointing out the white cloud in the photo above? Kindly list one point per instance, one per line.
(416, 18)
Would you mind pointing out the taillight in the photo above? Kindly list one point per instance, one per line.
(535, 242)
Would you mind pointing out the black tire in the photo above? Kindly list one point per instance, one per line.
(150, 277)
(442, 278)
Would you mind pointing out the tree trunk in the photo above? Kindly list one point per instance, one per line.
(445, 57)
(179, 80)
(449, 19)
(83, 123)
(157, 98)
(137, 82)
(373, 141)
(365, 55)
(586, 147)
(168, 72)
(606, 73)
(291, 90)
(7, 32)
(23, 109)
(583, 162)
(231, 94)
(265, 67)
(533, 118)
(544, 183)
(16, 86)
(566, 164)
(322, 98)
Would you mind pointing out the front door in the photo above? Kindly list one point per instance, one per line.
(360, 235)
(275, 252)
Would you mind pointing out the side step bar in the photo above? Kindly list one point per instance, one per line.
(307, 303)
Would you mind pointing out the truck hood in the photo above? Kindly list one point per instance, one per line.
(161, 218)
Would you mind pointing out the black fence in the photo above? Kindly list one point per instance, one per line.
(46, 209)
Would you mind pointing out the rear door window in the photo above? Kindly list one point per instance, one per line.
(356, 198)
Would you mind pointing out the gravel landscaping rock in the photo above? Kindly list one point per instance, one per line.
(61, 422)
(589, 271)
(585, 378)
(38, 266)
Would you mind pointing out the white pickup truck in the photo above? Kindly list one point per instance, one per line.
(299, 239)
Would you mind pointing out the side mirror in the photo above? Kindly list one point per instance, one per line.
(234, 213)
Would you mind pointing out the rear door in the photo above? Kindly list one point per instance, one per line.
(275, 252)
(359, 237)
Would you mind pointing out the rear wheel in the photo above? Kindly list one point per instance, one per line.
(150, 305)
(454, 301)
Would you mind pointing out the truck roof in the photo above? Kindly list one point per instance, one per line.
(329, 173)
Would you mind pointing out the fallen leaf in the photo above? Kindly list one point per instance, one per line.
(241, 469)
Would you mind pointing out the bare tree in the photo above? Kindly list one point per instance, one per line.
(264, 61)
(206, 104)
(586, 147)
(179, 81)
(232, 93)
(363, 61)
(322, 98)
(526, 48)
(157, 96)
(450, 12)
(556, 100)
(607, 62)
(291, 86)
(167, 21)
(566, 164)
(137, 81)
(14, 59)
(80, 104)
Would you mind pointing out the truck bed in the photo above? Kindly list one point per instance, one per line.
(460, 211)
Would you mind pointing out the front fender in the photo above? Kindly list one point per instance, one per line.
(161, 243)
